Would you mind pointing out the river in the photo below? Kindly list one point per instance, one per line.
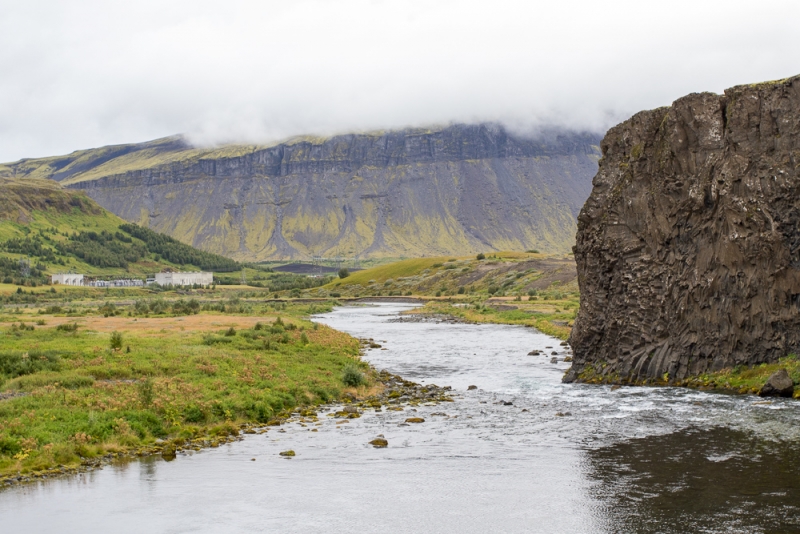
(559, 458)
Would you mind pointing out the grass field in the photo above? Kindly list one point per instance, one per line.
(75, 394)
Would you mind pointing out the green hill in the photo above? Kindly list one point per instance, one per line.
(45, 229)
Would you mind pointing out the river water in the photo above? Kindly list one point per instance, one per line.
(560, 458)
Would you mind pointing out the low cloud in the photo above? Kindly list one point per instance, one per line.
(84, 74)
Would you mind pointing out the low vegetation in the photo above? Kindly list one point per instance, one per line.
(85, 380)
(748, 379)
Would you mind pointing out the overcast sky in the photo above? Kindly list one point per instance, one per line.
(80, 74)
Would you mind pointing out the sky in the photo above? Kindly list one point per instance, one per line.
(82, 74)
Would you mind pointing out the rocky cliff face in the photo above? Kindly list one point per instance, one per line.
(688, 249)
(455, 190)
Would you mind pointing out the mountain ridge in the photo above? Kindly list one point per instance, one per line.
(415, 192)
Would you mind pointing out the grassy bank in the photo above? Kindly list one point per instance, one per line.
(553, 317)
(747, 379)
(77, 386)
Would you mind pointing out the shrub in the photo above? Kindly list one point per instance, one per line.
(38, 380)
(193, 414)
(481, 256)
(116, 341)
(304, 338)
(67, 327)
(493, 289)
(13, 364)
(230, 332)
(343, 273)
(336, 295)
(145, 391)
(461, 290)
(276, 329)
(352, 376)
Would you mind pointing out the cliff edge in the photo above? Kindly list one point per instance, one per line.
(453, 190)
(688, 248)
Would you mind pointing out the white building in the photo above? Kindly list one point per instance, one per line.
(125, 282)
(68, 279)
(184, 279)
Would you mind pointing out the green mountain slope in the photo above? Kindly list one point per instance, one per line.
(56, 230)
(453, 190)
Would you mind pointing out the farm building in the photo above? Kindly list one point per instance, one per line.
(68, 279)
(184, 279)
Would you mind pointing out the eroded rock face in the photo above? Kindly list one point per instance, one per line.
(688, 249)
(456, 190)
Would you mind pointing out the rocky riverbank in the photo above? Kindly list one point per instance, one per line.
(395, 394)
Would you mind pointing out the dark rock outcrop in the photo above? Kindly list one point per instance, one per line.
(688, 249)
(778, 385)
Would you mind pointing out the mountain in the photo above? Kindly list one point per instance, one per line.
(459, 189)
(688, 249)
(52, 229)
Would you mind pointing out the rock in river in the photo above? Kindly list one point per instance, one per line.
(379, 442)
(779, 385)
(415, 420)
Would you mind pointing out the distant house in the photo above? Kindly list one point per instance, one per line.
(124, 282)
(67, 279)
(184, 279)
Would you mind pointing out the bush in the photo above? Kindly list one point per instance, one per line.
(67, 327)
(481, 256)
(461, 290)
(230, 332)
(145, 391)
(352, 376)
(215, 340)
(343, 273)
(49, 378)
(193, 414)
(304, 338)
(116, 341)
(493, 289)
(13, 364)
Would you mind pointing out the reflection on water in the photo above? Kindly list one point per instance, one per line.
(714, 480)
(522, 453)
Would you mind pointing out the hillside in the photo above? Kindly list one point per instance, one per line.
(60, 230)
(453, 190)
(504, 274)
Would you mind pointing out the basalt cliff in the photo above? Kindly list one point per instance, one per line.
(688, 248)
(454, 190)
